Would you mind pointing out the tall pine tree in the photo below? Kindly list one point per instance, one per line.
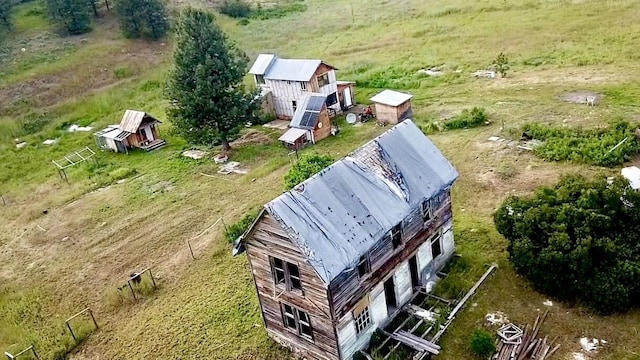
(208, 99)
(71, 15)
(142, 18)
(5, 14)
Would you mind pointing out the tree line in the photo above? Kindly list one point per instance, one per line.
(138, 18)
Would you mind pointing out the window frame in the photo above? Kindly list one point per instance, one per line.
(296, 315)
(362, 320)
(436, 238)
(303, 86)
(396, 235)
(427, 210)
(288, 279)
(364, 266)
(260, 79)
(323, 80)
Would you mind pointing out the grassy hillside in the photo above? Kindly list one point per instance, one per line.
(67, 246)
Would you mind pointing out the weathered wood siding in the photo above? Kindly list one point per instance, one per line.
(284, 93)
(349, 340)
(404, 111)
(328, 89)
(269, 239)
(322, 132)
(386, 113)
(347, 288)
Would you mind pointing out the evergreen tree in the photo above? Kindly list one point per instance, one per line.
(142, 18)
(208, 99)
(5, 14)
(72, 15)
(93, 5)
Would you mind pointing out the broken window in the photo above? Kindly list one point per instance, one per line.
(436, 247)
(362, 319)
(286, 273)
(363, 266)
(426, 210)
(297, 320)
(323, 80)
(396, 236)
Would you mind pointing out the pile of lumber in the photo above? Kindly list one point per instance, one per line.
(527, 346)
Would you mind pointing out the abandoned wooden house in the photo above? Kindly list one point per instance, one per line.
(284, 82)
(392, 107)
(137, 129)
(310, 123)
(340, 254)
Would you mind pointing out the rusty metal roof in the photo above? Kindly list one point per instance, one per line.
(132, 119)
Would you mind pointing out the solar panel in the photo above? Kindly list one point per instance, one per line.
(315, 103)
(309, 119)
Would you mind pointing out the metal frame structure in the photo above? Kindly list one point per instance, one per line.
(139, 276)
(67, 322)
(23, 352)
(73, 159)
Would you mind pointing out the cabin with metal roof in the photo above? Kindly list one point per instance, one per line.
(392, 107)
(310, 124)
(288, 80)
(137, 129)
(336, 257)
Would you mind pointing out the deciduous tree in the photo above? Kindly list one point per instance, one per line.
(308, 165)
(208, 101)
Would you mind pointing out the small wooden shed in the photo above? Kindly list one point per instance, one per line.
(137, 129)
(310, 123)
(392, 107)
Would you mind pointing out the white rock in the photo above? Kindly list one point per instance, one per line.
(50, 141)
(548, 303)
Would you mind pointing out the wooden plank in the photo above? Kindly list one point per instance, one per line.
(471, 292)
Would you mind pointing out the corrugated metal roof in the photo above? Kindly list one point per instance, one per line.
(308, 104)
(291, 135)
(292, 69)
(132, 119)
(391, 98)
(340, 213)
(261, 64)
(116, 134)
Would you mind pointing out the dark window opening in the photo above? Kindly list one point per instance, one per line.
(426, 210)
(297, 320)
(363, 266)
(286, 273)
(436, 247)
(396, 236)
(260, 79)
(303, 86)
(295, 105)
(331, 99)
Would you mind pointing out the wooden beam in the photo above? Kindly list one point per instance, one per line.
(471, 292)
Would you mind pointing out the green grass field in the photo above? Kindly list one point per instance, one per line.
(128, 212)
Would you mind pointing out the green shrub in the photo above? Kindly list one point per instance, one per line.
(235, 8)
(577, 241)
(235, 230)
(122, 73)
(277, 11)
(502, 64)
(482, 344)
(34, 124)
(308, 165)
(467, 119)
(596, 147)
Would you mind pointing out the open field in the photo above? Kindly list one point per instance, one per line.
(137, 210)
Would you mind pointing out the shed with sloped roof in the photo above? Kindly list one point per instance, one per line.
(392, 106)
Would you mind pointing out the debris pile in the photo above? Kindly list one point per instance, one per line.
(518, 344)
(74, 128)
(231, 167)
(194, 154)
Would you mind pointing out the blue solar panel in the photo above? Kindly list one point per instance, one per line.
(309, 119)
(315, 103)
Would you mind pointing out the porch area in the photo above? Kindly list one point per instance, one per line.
(153, 144)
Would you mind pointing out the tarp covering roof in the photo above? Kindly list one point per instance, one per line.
(308, 111)
(338, 214)
(132, 119)
(261, 64)
(291, 135)
(274, 68)
(391, 98)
